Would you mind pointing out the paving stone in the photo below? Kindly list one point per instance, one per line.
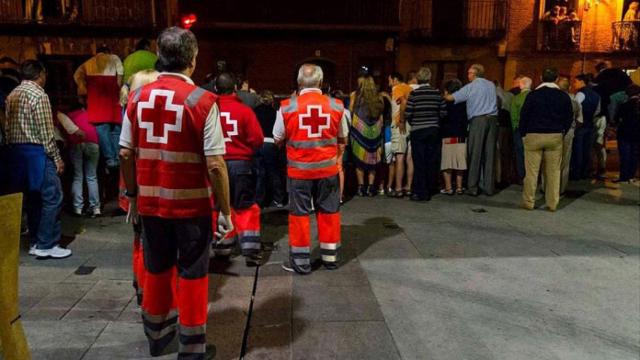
(95, 305)
(270, 342)
(229, 305)
(273, 301)
(31, 293)
(343, 340)
(227, 338)
(65, 340)
(317, 303)
(58, 301)
(122, 340)
(131, 313)
(469, 308)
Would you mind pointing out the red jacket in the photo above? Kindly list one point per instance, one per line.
(242, 132)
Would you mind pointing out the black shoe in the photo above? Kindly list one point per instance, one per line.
(361, 191)
(287, 265)
(473, 193)
(417, 198)
(210, 352)
(330, 265)
(253, 260)
(371, 191)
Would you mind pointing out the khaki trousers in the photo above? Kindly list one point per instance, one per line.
(536, 148)
(566, 160)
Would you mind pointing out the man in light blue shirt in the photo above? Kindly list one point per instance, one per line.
(482, 110)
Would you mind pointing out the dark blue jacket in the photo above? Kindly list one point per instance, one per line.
(546, 110)
(589, 106)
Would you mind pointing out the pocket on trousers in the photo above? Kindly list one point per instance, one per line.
(244, 194)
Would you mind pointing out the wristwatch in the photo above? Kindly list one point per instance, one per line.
(130, 195)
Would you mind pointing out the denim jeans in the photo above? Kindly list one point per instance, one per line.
(629, 153)
(581, 155)
(270, 184)
(85, 163)
(43, 210)
(109, 138)
(518, 147)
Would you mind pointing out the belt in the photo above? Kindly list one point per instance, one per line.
(485, 115)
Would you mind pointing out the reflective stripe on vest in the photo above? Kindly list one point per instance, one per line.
(334, 104)
(293, 105)
(194, 97)
(173, 194)
(312, 144)
(312, 165)
(136, 95)
(169, 156)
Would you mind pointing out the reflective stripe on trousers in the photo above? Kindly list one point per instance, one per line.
(248, 228)
(300, 255)
(329, 235)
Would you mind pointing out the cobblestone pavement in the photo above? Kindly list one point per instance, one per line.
(455, 278)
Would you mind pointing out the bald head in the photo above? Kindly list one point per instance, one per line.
(225, 84)
(310, 76)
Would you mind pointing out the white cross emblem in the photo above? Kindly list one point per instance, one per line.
(314, 125)
(168, 106)
(229, 125)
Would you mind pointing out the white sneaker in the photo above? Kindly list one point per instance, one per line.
(32, 251)
(55, 252)
(96, 212)
(77, 211)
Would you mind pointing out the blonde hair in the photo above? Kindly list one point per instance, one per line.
(368, 95)
(139, 79)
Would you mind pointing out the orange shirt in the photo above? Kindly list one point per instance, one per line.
(399, 94)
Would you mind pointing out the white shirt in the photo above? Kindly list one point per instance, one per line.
(549, 85)
(213, 138)
(279, 129)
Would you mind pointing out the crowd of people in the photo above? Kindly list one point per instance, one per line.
(196, 163)
(399, 142)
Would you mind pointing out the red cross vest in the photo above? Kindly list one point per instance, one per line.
(312, 123)
(167, 125)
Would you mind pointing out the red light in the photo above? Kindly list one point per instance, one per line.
(187, 21)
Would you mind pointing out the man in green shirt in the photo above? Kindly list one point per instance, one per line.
(516, 107)
(141, 59)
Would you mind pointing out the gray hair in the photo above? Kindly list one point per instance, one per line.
(424, 75)
(177, 47)
(479, 69)
(525, 82)
(310, 76)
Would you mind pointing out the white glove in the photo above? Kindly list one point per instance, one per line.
(132, 215)
(225, 226)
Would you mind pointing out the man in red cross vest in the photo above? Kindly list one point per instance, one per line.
(312, 125)
(172, 151)
(243, 137)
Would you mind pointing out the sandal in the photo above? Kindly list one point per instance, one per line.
(460, 191)
(399, 194)
(446, 192)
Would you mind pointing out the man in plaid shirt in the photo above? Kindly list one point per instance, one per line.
(35, 161)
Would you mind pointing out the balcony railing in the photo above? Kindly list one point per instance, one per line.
(626, 36)
(560, 36)
(485, 19)
(109, 13)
